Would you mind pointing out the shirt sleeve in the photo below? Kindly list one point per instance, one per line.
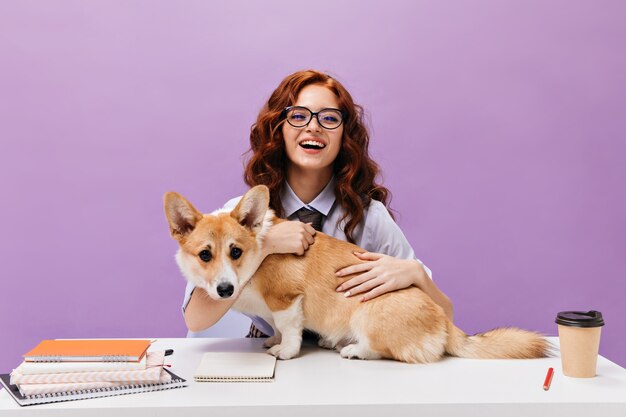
(382, 234)
(232, 203)
(188, 292)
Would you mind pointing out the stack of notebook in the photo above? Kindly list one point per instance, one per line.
(63, 370)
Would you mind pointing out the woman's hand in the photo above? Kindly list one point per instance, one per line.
(288, 237)
(380, 274)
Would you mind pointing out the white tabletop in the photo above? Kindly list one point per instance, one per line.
(320, 383)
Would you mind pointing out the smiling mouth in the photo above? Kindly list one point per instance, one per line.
(312, 144)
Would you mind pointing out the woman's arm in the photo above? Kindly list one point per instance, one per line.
(390, 262)
(427, 285)
(288, 237)
(203, 312)
(380, 274)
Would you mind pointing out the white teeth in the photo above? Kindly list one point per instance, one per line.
(313, 143)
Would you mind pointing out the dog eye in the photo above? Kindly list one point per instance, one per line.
(205, 255)
(235, 253)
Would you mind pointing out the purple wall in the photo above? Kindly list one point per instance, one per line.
(499, 127)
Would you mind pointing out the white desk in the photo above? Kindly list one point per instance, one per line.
(321, 383)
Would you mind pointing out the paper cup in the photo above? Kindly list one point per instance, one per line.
(579, 337)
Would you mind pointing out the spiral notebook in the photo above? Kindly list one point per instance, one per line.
(236, 367)
(135, 388)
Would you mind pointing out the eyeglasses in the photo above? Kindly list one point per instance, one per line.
(298, 116)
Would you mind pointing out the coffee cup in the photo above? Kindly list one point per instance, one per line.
(579, 337)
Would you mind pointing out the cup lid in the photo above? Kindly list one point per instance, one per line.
(580, 318)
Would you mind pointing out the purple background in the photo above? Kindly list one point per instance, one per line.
(499, 126)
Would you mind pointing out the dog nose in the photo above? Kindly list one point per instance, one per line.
(225, 290)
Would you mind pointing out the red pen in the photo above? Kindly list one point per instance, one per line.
(548, 381)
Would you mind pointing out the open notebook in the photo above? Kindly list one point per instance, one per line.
(236, 367)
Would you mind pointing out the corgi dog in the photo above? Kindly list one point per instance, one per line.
(222, 253)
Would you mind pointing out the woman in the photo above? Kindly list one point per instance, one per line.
(309, 146)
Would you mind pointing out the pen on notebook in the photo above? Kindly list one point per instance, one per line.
(548, 380)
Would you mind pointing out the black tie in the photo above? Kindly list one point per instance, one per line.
(310, 216)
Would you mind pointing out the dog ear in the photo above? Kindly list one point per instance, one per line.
(252, 207)
(181, 215)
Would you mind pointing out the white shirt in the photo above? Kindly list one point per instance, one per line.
(378, 233)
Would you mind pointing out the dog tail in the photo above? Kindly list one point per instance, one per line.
(501, 343)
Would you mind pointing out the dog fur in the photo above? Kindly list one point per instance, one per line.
(293, 293)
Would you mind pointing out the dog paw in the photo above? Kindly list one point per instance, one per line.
(354, 351)
(272, 341)
(283, 351)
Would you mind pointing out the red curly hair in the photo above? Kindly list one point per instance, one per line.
(355, 172)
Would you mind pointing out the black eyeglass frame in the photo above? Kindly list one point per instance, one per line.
(286, 110)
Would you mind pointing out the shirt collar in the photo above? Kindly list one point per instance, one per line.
(322, 203)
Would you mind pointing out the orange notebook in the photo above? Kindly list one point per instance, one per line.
(88, 350)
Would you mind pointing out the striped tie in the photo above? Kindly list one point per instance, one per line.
(310, 216)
